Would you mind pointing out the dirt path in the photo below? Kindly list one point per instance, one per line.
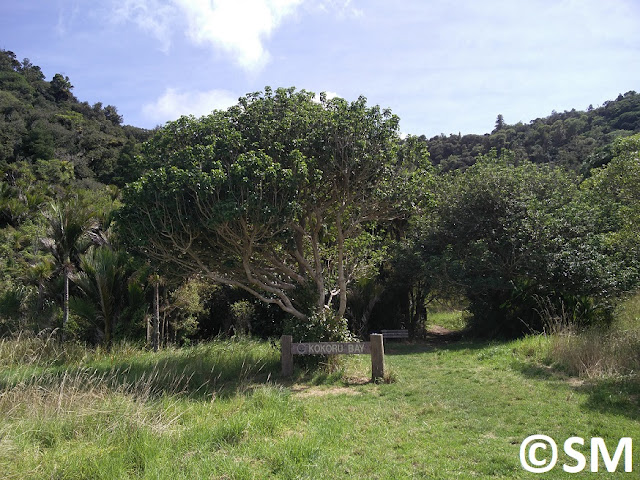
(439, 335)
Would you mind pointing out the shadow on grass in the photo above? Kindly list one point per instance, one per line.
(619, 396)
(220, 369)
(453, 342)
(615, 396)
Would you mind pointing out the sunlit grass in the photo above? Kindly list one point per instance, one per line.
(449, 319)
(221, 410)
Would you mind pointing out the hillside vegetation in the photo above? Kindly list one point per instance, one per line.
(144, 276)
(283, 213)
(578, 140)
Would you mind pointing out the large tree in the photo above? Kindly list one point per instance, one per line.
(283, 195)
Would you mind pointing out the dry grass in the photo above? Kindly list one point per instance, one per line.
(597, 353)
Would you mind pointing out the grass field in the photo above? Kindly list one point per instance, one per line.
(221, 411)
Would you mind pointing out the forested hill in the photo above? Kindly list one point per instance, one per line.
(44, 127)
(46, 132)
(576, 139)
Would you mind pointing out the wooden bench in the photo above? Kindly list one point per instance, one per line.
(395, 333)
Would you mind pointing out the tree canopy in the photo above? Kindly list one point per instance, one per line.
(282, 195)
(519, 238)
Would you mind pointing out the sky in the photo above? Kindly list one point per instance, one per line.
(442, 66)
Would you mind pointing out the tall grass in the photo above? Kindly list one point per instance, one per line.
(69, 411)
(595, 352)
(41, 375)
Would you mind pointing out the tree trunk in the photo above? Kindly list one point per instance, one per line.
(342, 282)
(156, 317)
(65, 303)
(364, 321)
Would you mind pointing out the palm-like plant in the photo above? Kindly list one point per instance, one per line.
(70, 223)
(103, 281)
(38, 274)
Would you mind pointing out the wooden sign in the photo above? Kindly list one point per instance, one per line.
(375, 347)
(330, 348)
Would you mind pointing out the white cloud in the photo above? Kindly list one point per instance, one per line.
(238, 27)
(342, 8)
(330, 95)
(174, 103)
(152, 16)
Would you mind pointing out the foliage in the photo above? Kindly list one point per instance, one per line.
(186, 307)
(70, 226)
(242, 312)
(511, 236)
(318, 328)
(302, 202)
(43, 121)
(103, 282)
(281, 196)
(52, 148)
(573, 139)
(615, 191)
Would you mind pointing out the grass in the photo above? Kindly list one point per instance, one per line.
(220, 410)
(595, 353)
(449, 319)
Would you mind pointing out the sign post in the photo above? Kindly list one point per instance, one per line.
(377, 356)
(375, 347)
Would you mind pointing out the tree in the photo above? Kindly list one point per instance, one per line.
(282, 196)
(614, 192)
(70, 223)
(509, 236)
(103, 279)
(111, 114)
(60, 87)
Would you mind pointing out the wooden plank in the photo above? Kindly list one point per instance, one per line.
(330, 348)
(395, 333)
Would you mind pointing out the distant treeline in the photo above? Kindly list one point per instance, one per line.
(578, 140)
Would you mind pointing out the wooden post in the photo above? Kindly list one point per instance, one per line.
(286, 357)
(377, 356)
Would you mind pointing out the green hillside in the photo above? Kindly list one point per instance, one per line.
(574, 139)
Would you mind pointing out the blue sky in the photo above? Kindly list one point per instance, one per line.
(441, 66)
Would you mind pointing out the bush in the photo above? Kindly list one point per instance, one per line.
(320, 327)
(242, 312)
(510, 234)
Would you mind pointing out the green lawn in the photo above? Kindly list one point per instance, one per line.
(221, 410)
